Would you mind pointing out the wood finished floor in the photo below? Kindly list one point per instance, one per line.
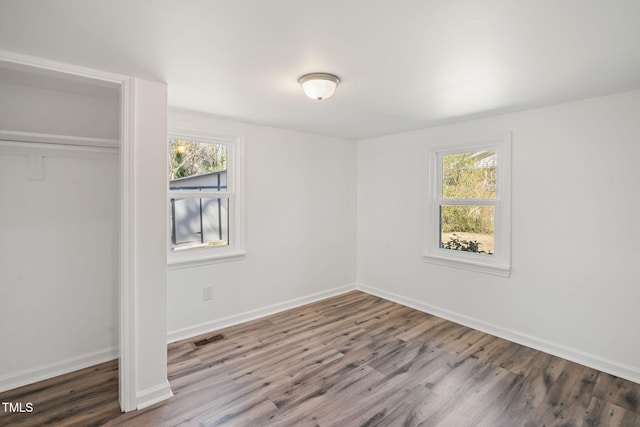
(351, 360)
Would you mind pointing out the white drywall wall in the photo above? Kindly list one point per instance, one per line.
(43, 110)
(150, 189)
(575, 282)
(59, 257)
(300, 228)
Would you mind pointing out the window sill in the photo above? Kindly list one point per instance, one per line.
(188, 260)
(462, 262)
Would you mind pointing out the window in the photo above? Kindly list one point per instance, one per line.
(468, 214)
(205, 203)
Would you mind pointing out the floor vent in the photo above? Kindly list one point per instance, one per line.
(208, 340)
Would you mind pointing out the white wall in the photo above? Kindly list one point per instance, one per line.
(59, 237)
(574, 288)
(44, 110)
(150, 216)
(300, 228)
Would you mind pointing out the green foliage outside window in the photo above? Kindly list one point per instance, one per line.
(468, 175)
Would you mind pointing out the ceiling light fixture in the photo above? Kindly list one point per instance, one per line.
(319, 85)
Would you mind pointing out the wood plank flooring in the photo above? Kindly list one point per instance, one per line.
(351, 360)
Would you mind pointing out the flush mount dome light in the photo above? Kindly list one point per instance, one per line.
(319, 85)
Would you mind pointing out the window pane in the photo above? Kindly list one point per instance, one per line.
(199, 223)
(470, 175)
(467, 228)
(197, 165)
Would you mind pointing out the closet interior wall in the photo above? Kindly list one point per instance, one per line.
(59, 223)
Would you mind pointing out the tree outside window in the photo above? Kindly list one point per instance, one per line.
(468, 176)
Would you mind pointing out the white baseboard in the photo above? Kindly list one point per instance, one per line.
(153, 395)
(612, 367)
(30, 376)
(236, 319)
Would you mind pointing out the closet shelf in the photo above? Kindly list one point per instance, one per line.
(47, 138)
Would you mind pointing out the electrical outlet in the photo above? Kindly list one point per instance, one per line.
(207, 293)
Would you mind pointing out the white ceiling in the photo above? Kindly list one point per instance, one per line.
(404, 64)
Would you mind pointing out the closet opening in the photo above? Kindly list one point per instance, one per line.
(61, 222)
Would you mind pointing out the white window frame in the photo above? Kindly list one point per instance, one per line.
(235, 250)
(499, 263)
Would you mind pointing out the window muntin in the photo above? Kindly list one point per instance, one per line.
(469, 206)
